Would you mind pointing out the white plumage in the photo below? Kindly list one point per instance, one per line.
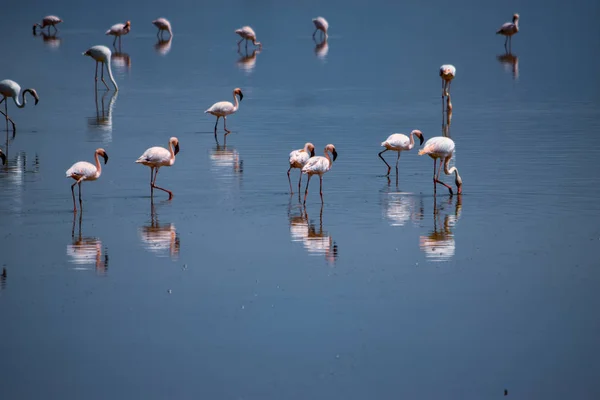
(399, 142)
(298, 159)
(321, 24)
(508, 29)
(447, 73)
(442, 148)
(163, 25)
(11, 89)
(247, 34)
(48, 21)
(318, 166)
(156, 157)
(85, 171)
(102, 54)
(225, 108)
(118, 30)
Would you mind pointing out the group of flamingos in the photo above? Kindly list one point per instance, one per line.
(438, 148)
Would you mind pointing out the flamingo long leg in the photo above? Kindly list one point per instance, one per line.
(306, 191)
(103, 81)
(80, 202)
(321, 187)
(11, 121)
(290, 181)
(448, 90)
(159, 188)
(388, 165)
(314, 33)
(397, 161)
(438, 178)
(300, 182)
(73, 193)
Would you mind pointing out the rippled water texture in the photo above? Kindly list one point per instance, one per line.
(234, 289)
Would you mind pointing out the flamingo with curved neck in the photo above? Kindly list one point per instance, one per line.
(102, 54)
(10, 88)
(223, 109)
(318, 166)
(156, 157)
(85, 171)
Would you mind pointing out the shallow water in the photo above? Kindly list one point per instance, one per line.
(233, 289)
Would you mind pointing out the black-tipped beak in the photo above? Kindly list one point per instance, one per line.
(105, 158)
(421, 139)
(334, 154)
(36, 101)
(3, 157)
(34, 26)
(176, 148)
(312, 153)
(241, 95)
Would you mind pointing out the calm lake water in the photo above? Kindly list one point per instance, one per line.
(233, 290)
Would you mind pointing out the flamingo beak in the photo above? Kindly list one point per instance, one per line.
(105, 158)
(241, 95)
(334, 154)
(3, 157)
(86, 53)
(312, 153)
(176, 148)
(421, 139)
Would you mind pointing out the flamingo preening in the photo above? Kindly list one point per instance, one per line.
(247, 34)
(447, 73)
(118, 30)
(102, 54)
(48, 21)
(156, 157)
(223, 109)
(318, 166)
(162, 24)
(9, 88)
(298, 159)
(399, 142)
(85, 171)
(442, 148)
(322, 25)
(508, 29)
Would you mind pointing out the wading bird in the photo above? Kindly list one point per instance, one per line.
(322, 25)
(442, 148)
(399, 142)
(318, 166)
(118, 30)
(223, 109)
(85, 171)
(102, 54)
(156, 157)
(298, 159)
(508, 29)
(247, 33)
(9, 88)
(447, 73)
(48, 21)
(162, 24)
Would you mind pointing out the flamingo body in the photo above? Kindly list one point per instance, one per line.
(48, 21)
(247, 34)
(11, 89)
(156, 157)
(321, 24)
(163, 24)
(442, 148)
(298, 159)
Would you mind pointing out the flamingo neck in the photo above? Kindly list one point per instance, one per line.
(172, 151)
(327, 157)
(98, 165)
(412, 141)
(452, 170)
(23, 99)
(236, 104)
(110, 75)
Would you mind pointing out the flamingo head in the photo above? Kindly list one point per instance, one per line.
(175, 142)
(34, 94)
(331, 148)
(102, 153)
(458, 182)
(515, 18)
(239, 31)
(238, 91)
(419, 134)
(87, 53)
(310, 148)
(128, 25)
(3, 157)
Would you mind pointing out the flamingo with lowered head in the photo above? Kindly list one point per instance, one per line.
(322, 25)
(102, 54)
(399, 142)
(225, 108)
(162, 24)
(9, 88)
(85, 171)
(442, 148)
(508, 29)
(447, 73)
(298, 159)
(118, 30)
(156, 157)
(318, 166)
(48, 21)
(247, 34)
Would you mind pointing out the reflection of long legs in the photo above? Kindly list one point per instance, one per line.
(388, 165)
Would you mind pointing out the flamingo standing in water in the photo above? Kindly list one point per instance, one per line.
(9, 88)
(298, 159)
(48, 21)
(399, 142)
(447, 73)
(156, 157)
(118, 30)
(508, 29)
(102, 54)
(248, 33)
(162, 24)
(223, 109)
(85, 171)
(318, 166)
(322, 25)
(442, 148)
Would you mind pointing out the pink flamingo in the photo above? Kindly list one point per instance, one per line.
(399, 142)
(118, 30)
(318, 166)
(85, 171)
(156, 157)
(322, 25)
(162, 24)
(442, 148)
(298, 159)
(248, 33)
(223, 109)
(48, 21)
(10, 88)
(508, 29)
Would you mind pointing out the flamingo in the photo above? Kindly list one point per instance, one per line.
(48, 21)
(399, 142)
(322, 25)
(102, 54)
(3, 157)
(118, 30)
(442, 148)
(319, 165)
(9, 88)
(298, 159)
(156, 157)
(248, 33)
(85, 171)
(447, 73)
(508, 29)
(223, 109)
(162, 24)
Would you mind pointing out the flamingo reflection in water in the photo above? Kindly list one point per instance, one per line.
(227, 158)
(510, 62)
(246, 62)
(446, 117)
(50, 39)
(163, 47)
(321, 49)
(401, 208)
(18, 170)
(86, 250)
(160, 239)
(102, 121)
(3, 277)
(121, 61)
(316, 241)
(439, 244)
